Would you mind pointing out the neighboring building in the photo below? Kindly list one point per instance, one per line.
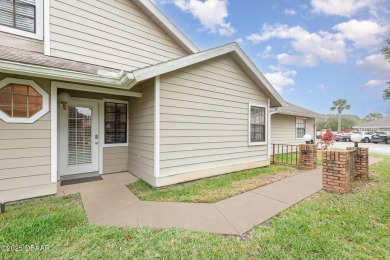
(98, 87)
(290, 123)
(378, 125)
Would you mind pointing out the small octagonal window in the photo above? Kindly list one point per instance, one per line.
(22, 101)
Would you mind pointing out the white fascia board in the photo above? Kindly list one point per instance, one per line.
(164, 22)
(162, 68)
(244, 58)
(95, 89)
(122, 81)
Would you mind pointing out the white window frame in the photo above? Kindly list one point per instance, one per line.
(104, 127)
(250, 143)
(38, 35)
(296, 129)
(35, 117)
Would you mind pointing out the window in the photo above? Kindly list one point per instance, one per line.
(22, 17)
(115, 123)
(257, 124)
(22, 101)
(18, 14)
(301, 127)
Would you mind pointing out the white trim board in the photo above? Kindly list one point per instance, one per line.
(53, 133)
(46, 27)
(157, 126)
(95, 89)
(123, 80)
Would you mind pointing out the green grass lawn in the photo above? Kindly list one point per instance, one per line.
(325, 226)
(291, 158)
(215, 188)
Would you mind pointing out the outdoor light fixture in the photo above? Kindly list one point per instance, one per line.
(307, 138)
(356, 138)
(64, 98)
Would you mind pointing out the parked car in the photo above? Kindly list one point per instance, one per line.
(366, 136)
(381, 137)
(343, 137)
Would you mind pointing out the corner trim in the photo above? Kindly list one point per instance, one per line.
(46, 27)
(269, 129)
(53, 132)
(157, 126)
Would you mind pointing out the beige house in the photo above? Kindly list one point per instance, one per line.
(98, 87)
(378, 125)
(290, 123)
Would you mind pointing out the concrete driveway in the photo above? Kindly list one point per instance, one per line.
(373, 148)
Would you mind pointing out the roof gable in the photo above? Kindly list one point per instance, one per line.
(230, 49)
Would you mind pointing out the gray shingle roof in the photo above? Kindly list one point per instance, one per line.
(292, 109)
(34, 58)
(382, 122)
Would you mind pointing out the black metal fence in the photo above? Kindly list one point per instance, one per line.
(285, 154)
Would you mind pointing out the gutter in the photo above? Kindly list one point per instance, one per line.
(123, 80)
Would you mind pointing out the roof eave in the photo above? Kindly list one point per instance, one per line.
(167, 25)
(123, 80)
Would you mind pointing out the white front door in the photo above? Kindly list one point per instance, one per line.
(79, 137)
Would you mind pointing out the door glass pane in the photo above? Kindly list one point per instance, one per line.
(80, 135)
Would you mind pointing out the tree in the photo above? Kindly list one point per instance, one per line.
(347, 122)
(386, 53)
(340, 105)
(372, 117)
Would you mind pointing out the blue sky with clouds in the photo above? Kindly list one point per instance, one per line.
(313, 51)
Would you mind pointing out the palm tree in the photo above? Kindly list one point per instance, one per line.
(340, 105)
(372, 117)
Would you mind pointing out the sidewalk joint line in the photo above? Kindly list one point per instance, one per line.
(238, 233)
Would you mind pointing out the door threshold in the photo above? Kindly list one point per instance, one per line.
(79, 176)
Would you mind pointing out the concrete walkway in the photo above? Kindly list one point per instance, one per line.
(109, 202)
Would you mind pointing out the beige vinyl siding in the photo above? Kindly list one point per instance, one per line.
(283, 129)
(204, 118)
(20, 42)
(114, 34)
(25, 157)
(115, 159)
(141, 133)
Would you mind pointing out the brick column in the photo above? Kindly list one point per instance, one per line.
(361, 162)
(336, 171)
(307, 157)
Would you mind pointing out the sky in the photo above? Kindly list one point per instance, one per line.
(312, 51)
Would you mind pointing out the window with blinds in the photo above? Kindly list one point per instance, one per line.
(115, 123)
(80, 135)
(301, 127)
(257, 124)
(18, 14)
